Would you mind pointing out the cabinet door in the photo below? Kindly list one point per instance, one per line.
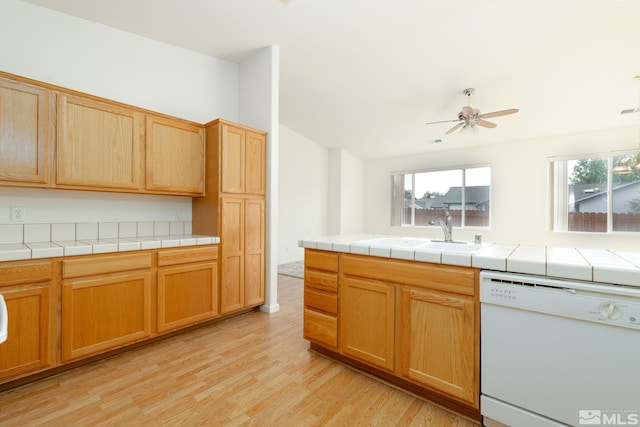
(232, 153)
(23, 134)
(438, 342)
(99, 145)
(25, 349)
(187, 294)
(231, 255)
(367, 321)
(175, 157)
(104, 312)
(254, 253)
(255, 163)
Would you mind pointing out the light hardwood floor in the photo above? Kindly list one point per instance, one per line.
(254, 369)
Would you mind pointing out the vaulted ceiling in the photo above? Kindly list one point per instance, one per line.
(366, 75)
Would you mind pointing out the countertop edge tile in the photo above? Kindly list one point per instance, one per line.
(428, 255)
(403, 253)
(14, 252)
(456, 258)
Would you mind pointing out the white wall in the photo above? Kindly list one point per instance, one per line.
(70, 52)
(303, 190)
(351, 197)
(345, 193)
(519, 198)
(259, 108)
(74, 53)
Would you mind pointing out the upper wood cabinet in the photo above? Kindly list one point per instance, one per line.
(241, 157)
(99, 145)
(24, 145)
(175, 156)
(95, 144)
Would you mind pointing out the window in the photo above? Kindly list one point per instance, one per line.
(591, 196)
(418, 197)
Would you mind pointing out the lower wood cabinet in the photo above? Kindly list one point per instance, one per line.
(242, 233)
(187, 291)
(26, 287)
(320, 322)
(414, 324)
(28, 310)
(62, 310)
(104, 312)
(438, 342)
(367, 321)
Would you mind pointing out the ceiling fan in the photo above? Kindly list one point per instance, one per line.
(471, 117)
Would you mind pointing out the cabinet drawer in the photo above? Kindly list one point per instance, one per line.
(102, 264)
(447, 278)
(321, 260)
(321, 328)
(324, 281)
(18, 273)
(322, 301)
(187, 255)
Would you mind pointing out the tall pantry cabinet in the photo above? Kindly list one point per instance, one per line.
(233, 208)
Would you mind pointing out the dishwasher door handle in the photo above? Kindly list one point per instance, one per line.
(4, 320)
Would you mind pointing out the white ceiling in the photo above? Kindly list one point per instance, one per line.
(365, 75)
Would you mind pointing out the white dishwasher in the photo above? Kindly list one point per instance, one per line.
(558, 352)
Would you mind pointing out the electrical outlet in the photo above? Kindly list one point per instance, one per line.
(18, 214)
(177, 215)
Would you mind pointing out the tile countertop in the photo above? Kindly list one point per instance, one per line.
(598, 265)
(23, 251)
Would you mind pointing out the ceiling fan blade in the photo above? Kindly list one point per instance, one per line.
(443, 121)
(484, 123)
(467, 111)
(455, 128)
(498, 113)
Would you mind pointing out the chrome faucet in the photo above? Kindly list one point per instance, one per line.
(445, 225)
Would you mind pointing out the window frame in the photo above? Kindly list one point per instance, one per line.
(397, 212)
(558, 186)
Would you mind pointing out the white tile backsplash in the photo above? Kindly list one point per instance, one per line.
(161, 228)
(87, 231)
(63, 232)
(145, 229)
(11, 233)
(108, 230)
(37, 233)
(176, 227)
(40, 240)
(127, 229)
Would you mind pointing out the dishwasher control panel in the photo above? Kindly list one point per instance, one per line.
(600, 303)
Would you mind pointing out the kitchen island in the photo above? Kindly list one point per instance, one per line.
(407, 311)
